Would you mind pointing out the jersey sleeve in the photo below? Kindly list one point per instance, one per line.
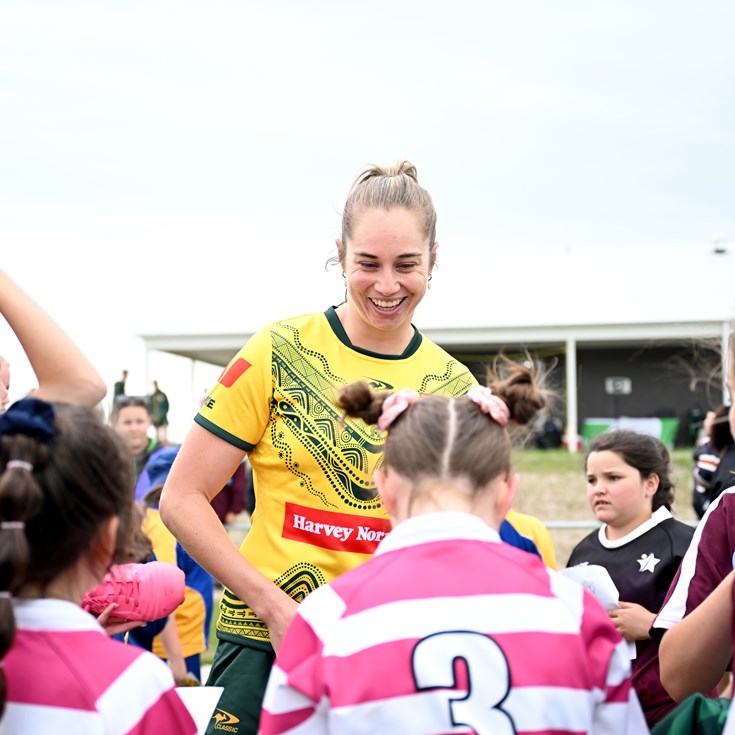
(707, 561)
(620, 712)
(238, 407)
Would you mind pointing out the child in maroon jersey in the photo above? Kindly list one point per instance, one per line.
(707, 563)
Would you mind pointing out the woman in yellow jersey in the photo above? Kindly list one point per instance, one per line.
(317, 512)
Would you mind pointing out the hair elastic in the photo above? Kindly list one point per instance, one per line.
(30, 416)
(12, 525)
(19, 464)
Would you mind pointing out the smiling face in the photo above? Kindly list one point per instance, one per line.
(617, 493)
(387, 263)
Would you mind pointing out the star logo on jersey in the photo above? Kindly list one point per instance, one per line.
(648, 563)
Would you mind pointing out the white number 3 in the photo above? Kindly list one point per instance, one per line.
(434, 660)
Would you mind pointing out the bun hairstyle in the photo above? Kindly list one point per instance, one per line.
(387, 187)
(439, 438)
(56, 492)
(646, 453)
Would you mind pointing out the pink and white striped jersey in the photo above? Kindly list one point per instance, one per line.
(447, 630)
(65, 675)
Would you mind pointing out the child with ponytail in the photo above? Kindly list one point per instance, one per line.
(445, 625)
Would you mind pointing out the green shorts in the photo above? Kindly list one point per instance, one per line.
(243, 671)
(695, 714)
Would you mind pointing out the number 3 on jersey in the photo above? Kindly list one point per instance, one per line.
(488, 678)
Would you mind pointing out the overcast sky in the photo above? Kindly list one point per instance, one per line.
(181, 166)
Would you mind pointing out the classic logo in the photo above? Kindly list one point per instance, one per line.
(224, 721)
(335, 531)
(376, 384)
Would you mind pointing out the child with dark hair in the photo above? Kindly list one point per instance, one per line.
(472, 632)
(722, 443)
(706, 460)
(630, 490)
(67, 514)
(65, 500)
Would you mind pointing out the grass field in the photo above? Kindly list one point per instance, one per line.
(552, 488)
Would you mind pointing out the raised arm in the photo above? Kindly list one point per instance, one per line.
(696, 652)
(63, 372)
(202, 467)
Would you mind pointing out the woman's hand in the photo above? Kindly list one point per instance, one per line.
(632, 621)
(280, 619)
(116, 626)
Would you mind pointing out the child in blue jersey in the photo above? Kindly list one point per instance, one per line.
(192, 618)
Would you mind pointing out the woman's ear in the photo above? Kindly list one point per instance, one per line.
(105, 542)
(432, 256)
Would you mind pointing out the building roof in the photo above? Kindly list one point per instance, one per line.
(535, 298)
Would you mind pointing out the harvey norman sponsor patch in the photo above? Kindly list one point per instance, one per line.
(336, 531)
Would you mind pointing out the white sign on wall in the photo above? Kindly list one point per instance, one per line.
(616, 386)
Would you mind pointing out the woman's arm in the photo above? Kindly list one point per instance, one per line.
(202, 467)
(696, 651)
(63, 372)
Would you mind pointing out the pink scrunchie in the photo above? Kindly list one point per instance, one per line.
(394, 405)
(490, 404)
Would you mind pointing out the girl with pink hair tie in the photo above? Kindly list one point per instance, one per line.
(445, 626)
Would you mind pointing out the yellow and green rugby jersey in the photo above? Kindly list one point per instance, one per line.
(317, 512)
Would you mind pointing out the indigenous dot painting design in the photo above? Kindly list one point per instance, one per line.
(304, 409)
(236, 618)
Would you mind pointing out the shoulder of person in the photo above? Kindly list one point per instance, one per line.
(589, 543)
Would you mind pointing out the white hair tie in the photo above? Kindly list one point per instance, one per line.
(19, 464)
(12, 525)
